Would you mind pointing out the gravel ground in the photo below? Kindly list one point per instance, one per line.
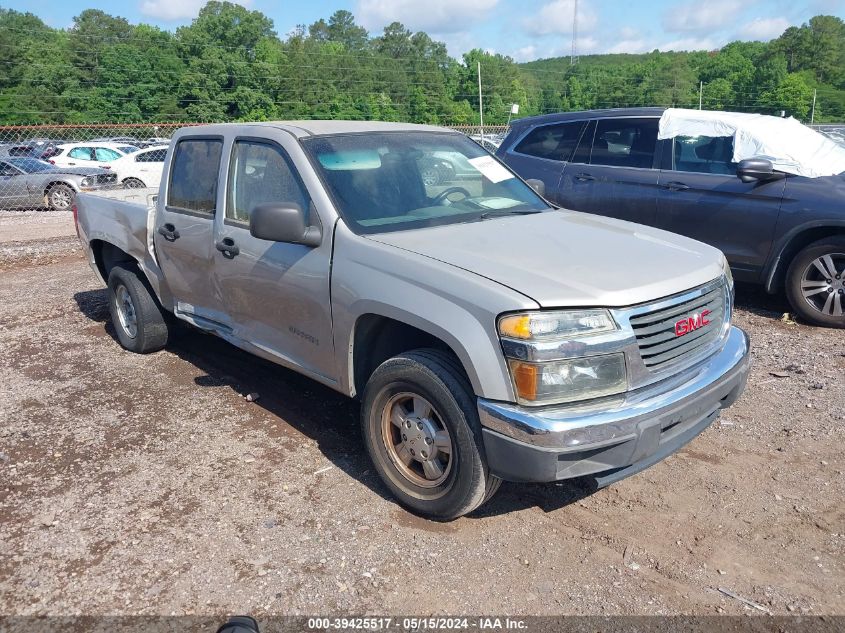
(150, 485)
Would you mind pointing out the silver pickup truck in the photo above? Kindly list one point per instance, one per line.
(488, 335)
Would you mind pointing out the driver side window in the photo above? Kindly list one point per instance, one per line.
(259, 173)
(704, 154)
(7, 170)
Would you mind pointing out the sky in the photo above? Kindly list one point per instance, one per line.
(523, 29)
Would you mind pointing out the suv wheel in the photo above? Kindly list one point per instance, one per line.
(815, 282)
(421, 429)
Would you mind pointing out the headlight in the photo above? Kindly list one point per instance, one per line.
(559, 380)
(559, 324)
(85, 182)
(568, 380)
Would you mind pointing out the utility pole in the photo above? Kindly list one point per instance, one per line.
(480, 104)
(700, 93)
(813, 111)
(573, 58)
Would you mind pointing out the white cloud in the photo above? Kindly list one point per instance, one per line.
(628, 40)
(690, 44)
(525, 54)
(171, 10)
(764, 29)
(556, 18)
(628, 33)
(702, 16)
(629, 46)
(438, 16)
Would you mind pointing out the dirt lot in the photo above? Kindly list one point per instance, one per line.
(149, 485)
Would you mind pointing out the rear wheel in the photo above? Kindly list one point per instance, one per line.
(421, 429)
(60, 197)
(815, 282)
(139, 321)
(133, 183)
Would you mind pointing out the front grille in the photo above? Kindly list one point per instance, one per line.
(106, 179)
(657, 338)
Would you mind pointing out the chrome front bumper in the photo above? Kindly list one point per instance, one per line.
(614, 437)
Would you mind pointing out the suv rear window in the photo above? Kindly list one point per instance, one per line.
(625, 142)
(553, 142)
(193, 178)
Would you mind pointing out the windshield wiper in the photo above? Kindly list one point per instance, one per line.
(503, 212)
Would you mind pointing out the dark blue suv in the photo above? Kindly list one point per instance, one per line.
(783, 231)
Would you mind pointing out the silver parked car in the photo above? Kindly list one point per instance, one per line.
(29, 182)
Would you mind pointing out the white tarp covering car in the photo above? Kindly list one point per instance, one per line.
(791, 147)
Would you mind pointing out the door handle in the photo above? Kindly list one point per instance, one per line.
(228, 248)
(583, 177)
(168, 232)
(676, 186)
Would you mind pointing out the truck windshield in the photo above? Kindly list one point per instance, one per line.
(395, 181)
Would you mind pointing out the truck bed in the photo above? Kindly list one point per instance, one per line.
(124, 218)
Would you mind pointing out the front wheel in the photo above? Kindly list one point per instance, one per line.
(815, 282)
(133, 183)
(420, 425)
(60, 197)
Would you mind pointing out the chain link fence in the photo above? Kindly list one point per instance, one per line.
(45, 166)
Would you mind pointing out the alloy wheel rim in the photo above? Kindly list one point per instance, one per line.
(60, 198)
(417, 440)
(823, 284)
(126, 312)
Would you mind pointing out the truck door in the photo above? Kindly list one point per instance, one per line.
(616, 176)
(701, 197)
(276, 294)
(184, 231)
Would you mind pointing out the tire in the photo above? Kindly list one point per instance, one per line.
(60, 197)
(431, 175)
(816, 296)
(456, 480)
(133, 183)
(139, 320)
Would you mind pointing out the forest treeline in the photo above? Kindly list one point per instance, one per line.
(230, 64)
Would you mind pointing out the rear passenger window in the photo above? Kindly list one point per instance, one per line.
(554, 142)
(260, 173)
(625, 142)
(156, 156)
(193, 178)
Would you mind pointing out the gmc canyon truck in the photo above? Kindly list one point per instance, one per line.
(489, 335)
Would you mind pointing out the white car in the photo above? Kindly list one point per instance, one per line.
(90, 154)
(142, 168)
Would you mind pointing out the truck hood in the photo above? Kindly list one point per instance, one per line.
(567, 258)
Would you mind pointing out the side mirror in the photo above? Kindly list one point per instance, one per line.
(761, 169)
(537, 185)
(282, 223)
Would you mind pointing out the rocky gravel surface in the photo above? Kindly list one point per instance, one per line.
(151, 485)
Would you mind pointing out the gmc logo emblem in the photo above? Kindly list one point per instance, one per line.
(692, 323)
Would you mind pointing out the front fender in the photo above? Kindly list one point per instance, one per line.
(453, 305)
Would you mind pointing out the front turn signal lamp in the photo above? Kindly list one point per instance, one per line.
(568, 380)
(531, 326)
